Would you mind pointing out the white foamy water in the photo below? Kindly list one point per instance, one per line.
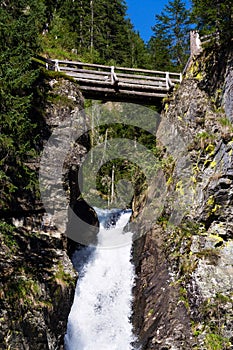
(100, 315)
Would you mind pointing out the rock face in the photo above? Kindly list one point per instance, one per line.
(160, 316)
(37, 288)
(37, 277)
(183, 293)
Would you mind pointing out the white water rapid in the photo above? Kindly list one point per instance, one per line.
(100, 315)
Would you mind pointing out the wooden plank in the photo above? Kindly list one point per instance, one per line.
(150, 77)
(143, 87)
(91, 77)
(79, 74)
(101, 73)
(79, 63)
(79, 70)
(120, 84)
(142, 82)
(143, 71)
(123, 92)
(139, 93)
(89, 71)
(93, 82)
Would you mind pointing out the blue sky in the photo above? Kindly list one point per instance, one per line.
(142, 14)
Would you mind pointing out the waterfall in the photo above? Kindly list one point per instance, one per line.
(100, 315)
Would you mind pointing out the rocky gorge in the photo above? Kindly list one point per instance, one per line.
(184, 285)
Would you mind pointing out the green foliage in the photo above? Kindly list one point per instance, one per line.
(214, 17)
(25, 289)
(7, 234)
(21, 22)
(96, 31)
(124, 169)
(226, 123)
(205, 139)
(159, 47)
(61, 277)
(215, 342)
(210, 254)
(178, 249)
(60, 35)
(169, 45)
(184, 297)
(215, 318)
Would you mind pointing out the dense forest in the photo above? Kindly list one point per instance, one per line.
(90, 30)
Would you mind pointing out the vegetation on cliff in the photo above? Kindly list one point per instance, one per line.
(100, 32)
(195, 254)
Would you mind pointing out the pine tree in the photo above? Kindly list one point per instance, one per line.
(138, 56)
(21, 21)
(211, 17)
(98, 30)
(170, 42)
(160, 46)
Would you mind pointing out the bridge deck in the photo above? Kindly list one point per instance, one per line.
(117, 83)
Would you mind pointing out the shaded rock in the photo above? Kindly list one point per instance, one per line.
(37, 278)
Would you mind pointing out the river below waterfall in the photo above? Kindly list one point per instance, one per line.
(100, 315)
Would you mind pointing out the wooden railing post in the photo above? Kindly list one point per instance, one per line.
(57, 69)
(167, 80)
(114, 79)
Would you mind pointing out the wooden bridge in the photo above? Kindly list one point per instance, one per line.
(117, 83)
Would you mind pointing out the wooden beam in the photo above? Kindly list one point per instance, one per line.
(92, 81)
(143, 71)
(137, 76)
(91, 77)
(141, 82)
(142, 87)
(121, 91)
(80, 70)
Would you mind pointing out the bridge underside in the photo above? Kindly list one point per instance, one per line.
(119, 94)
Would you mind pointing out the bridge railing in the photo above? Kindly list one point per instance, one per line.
(121, 77)
(210, 37)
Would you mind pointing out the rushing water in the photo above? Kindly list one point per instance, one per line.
(100, 315)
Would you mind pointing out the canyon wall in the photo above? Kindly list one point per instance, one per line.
(37, 277)
(183, 292)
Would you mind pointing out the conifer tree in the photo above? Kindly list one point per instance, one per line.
(170, 43)
(97, 29)
(160, 46)
(212, 17)
(21, 21)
